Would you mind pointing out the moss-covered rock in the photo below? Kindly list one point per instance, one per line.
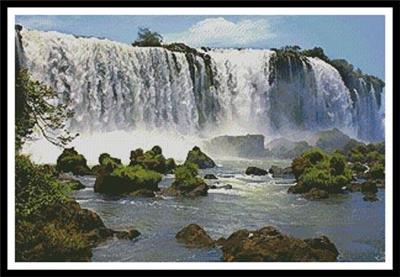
(197, 157)
(187, 182)
(126, 180)
(252, 170)
(152, 160)
(320, 172)
(71, 161)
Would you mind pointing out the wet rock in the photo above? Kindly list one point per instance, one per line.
(278, 172)
(370, 196)
(210, 177)
(369, 187)
(143, 193)
(227, 186)
(269, 245)
(299, 187)
(196, 156)
(194, 236)
(316, 194)
(252, 170)
(128, 235)
(69, 181)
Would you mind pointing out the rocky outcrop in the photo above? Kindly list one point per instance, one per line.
(278, 172)
(127, 235)
(194, 236)
(197, 157)
(187, 182)
(71, 161)
(316, 194)
(264, 245)
(283, 148)
(124, 180)
(248, 146)
(227, 186)
(269, 245)
(252, 170)
(152, 160)
(210, 177)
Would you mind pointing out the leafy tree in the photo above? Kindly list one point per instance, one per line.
(147, 38)
(35, 109)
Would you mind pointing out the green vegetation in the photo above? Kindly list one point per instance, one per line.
(197, 157)
(127, 179)
(48, 223)
(71, 161)
(147, 38)
(152, 160)
(316, 169)
(186, 177)
(33, 111)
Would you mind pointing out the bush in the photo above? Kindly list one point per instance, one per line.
(71, 161)
(377, 171)
(106, 160)
(152, 160)
(147, 38)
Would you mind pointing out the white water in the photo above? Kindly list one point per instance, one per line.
(113, 86)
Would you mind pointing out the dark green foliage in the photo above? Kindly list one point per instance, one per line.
(50, 226)
(147, 38)
(315, 169)
(377, 171)
(197, 157)
(34, 110)
(152, 160)
(106, 160)
(71, 161)
(316, 52)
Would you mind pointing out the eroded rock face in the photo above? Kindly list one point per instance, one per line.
(197, 157)
(264, 245)
(278, 172)
(252, 170)
(269, 245)
(194, 236)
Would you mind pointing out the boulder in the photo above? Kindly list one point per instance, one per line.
(316, 194)
(278, 172)
(269, 245)
(197, 157)
(127, 180)
(71, 161)
(210, 177)
(370, 196)
(128, 235)
(252, 170)
(70, 182)
(369, 187)
(187, 182)
(194, 236)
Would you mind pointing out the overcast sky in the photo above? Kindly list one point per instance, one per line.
(359, 39)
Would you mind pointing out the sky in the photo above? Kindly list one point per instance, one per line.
(360, 39)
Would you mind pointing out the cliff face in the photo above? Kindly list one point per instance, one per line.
(113, 86)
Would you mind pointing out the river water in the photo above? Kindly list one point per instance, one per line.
(355, 226)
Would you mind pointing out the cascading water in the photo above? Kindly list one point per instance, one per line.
(113, 86)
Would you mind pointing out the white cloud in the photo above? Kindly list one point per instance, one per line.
(219, 32)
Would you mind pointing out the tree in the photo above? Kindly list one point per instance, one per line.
(34, 108)
(147, 38)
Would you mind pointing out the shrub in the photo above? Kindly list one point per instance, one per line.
(377, 171)
(186, 177)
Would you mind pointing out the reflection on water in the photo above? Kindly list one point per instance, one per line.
(355, 226)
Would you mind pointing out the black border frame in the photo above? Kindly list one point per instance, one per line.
(5, 4)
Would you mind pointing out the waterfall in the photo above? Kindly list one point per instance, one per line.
(112, 86)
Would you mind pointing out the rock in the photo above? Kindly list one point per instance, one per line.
(299, 187)
(212, 187)
(252, 170)
(142, 193)
(284, 148)
(269, 245)
(369, 187)
(70, 182)
(353, 187)
(227, 186)
(370, 196)
(187, 182)
(128, 235)
(194, 236)
(71, 161)
(278, 172)
(316, 194)
(248, 146)
(196, 156)
(152, 160)
(210, 176)
(127, 180)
